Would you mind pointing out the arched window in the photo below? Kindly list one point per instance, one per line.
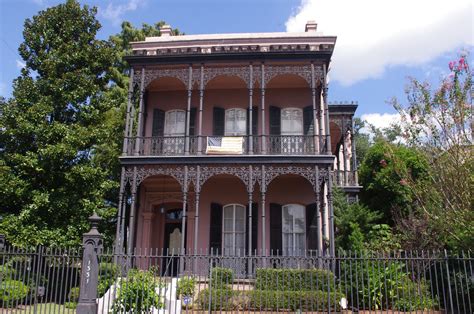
(235, 122)
(291, 121)
(175, 123)
(293, 227)
(233, 231)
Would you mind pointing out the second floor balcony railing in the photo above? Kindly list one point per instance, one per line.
(227, 145)
(344, 178)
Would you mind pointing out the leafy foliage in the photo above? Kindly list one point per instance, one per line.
(294, 279)
(221, 277)
(439, 122)
(51, 127)
(138, 293)
(12, 291)
(384, 173)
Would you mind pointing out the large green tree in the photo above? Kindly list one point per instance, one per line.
(51, 128)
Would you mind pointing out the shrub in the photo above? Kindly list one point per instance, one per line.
(12, 291)
(221, 277)
(385, 286)
(137, 293)
(74, 294)
(108, 273)
(293, 300)
(6, 272)
(221, 299)
(186, 286)
(294, 279)
(70, 305)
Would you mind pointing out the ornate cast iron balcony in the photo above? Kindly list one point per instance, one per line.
(227, 145)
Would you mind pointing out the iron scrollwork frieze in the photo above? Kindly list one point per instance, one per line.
(152, 74)
(272, 173)
(242, 72)
(241, 172)
(303, 71)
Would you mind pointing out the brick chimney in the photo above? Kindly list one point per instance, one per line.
(311, 26)
(166, 31)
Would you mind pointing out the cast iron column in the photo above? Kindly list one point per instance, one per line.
(263, 189)
(326, 114)
(264, 132)
(140, 115)
(183, 220)
(120, 212)
(127, 119)
(196, 214)
(318, 209)
(315, 112)
(250, 145)
(188, 109)
(201, 102)
(332, 248)
(131, 224)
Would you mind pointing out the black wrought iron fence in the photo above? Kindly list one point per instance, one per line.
(148, 281)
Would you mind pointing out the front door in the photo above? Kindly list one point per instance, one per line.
(172, 247)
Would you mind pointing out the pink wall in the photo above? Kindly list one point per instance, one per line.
(224, 190)
(226, 98)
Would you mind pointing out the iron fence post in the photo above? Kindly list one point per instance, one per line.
(92, 243)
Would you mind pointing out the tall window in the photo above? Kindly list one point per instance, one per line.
(291, 121)
(233, 230)
(235, 122)
(175, 122)
(293, 226)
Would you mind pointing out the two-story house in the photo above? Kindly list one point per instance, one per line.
(231, 146)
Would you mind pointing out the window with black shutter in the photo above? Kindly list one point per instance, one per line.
(218, 121)
(192, 122)
(308, 123)
(215, 229)
(312, 236)
(275, 229)
(158, 125)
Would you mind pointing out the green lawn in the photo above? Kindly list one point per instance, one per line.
(41, 308)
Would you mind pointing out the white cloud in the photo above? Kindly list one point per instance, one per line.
(114, 12)
(20, 64)
(380, 120)
(39, 2)
(373, 34)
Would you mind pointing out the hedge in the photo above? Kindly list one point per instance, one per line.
(221, 277)
(222, 299)
(230, 300)
(294, 300)
(294, 279)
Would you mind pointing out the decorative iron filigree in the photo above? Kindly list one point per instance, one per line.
(241, 172)
(303, 71)
(272, 172)
(242, 72)
(152, 74)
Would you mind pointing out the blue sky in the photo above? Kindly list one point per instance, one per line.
(380, 43)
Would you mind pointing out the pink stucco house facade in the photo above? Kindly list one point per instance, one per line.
(231, 145)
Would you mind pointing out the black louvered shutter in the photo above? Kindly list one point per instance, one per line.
(215, 230)
(275, 229)
(192, 122)
(254, 228)
(275, 120)
(308, 120)
(311, 227)
(158, 125)
(254, 120)
(219, 121)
